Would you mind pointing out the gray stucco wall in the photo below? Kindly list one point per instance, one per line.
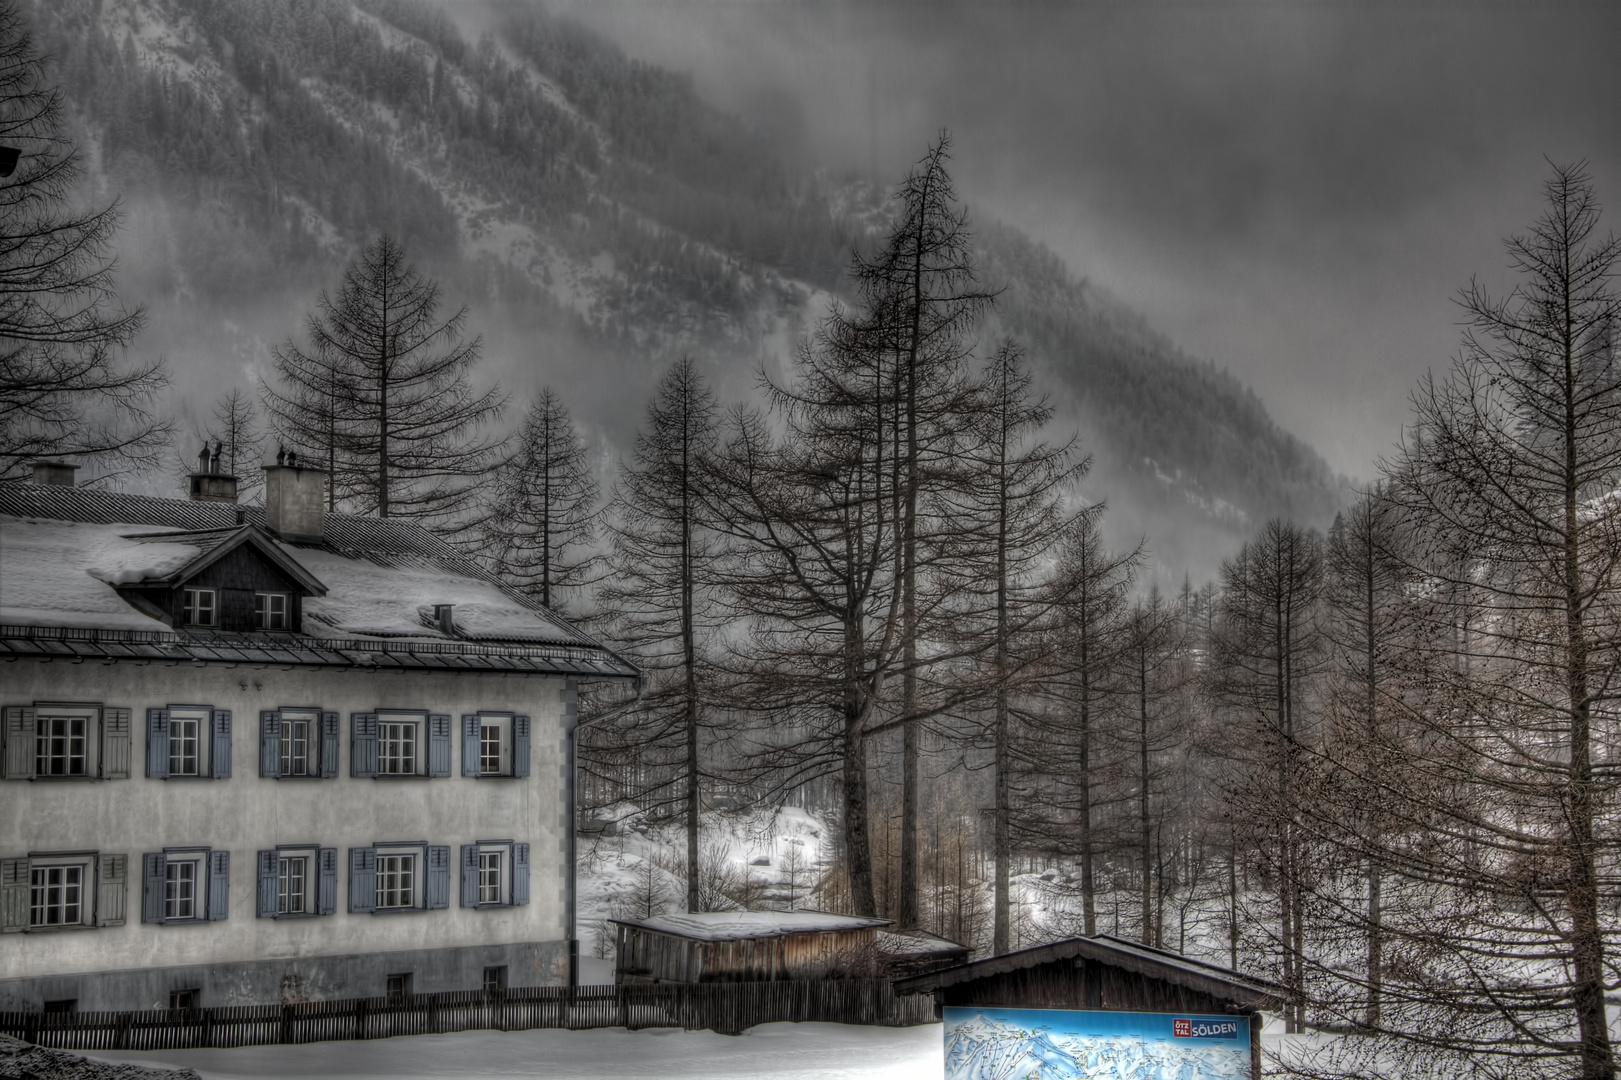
(247, 813)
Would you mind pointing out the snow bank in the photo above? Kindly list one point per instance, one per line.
(43, 580)
(767, 1052)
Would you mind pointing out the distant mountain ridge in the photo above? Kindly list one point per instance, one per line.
(598, 218)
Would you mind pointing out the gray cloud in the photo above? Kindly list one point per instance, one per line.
(1294, 190)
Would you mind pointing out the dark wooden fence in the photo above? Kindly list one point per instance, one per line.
(723, 1007)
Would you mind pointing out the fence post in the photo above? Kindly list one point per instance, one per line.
(360, 1018)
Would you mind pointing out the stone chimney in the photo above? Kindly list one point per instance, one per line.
(444, 617)
(208, 484)
(53, 473)
(295, 502)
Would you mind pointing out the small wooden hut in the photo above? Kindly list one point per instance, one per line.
(904, 953)
(744, 946)
(1102, 973)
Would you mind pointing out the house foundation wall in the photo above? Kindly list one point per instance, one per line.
(291, 981)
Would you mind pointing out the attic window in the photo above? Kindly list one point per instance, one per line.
(270, 610)
(200, 607)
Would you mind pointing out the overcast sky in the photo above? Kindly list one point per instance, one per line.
(1295, 190)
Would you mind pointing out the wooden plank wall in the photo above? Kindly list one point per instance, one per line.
(1068, 984)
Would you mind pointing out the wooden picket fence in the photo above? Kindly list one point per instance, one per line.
(725, 1007)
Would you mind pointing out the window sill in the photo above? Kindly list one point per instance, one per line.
(405, 776)
(189, 779)
(60, 929)
(298, 779)
(67, 779)
(497, 776)
(401, 910)
(293, 915)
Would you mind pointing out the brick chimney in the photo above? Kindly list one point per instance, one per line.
(208, 484)
(53, 473)
(295, 502)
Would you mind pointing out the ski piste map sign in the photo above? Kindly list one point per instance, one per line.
(1074, 1044)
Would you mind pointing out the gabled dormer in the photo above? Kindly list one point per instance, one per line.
(241, 581)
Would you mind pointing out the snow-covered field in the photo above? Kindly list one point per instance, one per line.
(768, 1052)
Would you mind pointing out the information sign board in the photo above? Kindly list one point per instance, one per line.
(1083, 1044)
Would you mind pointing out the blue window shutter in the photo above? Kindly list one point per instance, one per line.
(157, 743)
(270, 743)
(470, 737)
(219, 885)
(520, 746)
(329, 745)
(269, 885)
(152, 887)
(220, 751)
(327, 897)
(19, 738)
(362, 880)
(438, 746)
(13, 896)
(520, 873)
(362, 747)
(438, 890)
(112, 889)
(115, 742)
(469, 875)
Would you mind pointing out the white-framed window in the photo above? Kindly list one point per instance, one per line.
(400, 746)
(183, 888)
(200, 607)
(294, 883)
(272, 611)
(300, 732)
(494, 873)
(185, 885)
(495, 745)
(59, 893)
(399, 878)
(65, 741)
(296, 742)
(47, 891)
(188, 735)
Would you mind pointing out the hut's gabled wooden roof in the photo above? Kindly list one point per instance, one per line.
(742, 925)
(1235, 988)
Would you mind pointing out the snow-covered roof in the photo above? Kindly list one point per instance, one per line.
(917, 943)
(370, 584)
(1235, 988)
(740, 925)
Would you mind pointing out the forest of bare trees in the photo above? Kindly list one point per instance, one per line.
(1378, 764)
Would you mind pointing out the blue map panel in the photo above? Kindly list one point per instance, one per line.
(1062, 1044)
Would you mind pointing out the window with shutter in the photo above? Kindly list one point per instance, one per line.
(520, 746)
(327, 886)
(362, 746)
(115, 744)
(270, 743)
(112, 888)
(520, 873)
(18, 735)
(402, 744)
(267, 884)
(67, 741)
(219, 885)
(362, 880)
(13, 896)
(157, 743)
(329, 745)
(153, 874)
(469, 875)
(438, 889)
(220, 746)
(439, 745)
(472, 738)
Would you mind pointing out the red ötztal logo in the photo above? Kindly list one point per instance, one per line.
(1182, 1029)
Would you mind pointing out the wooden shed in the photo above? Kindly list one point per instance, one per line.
(904, 953)
(744, 946)
(1101, 973)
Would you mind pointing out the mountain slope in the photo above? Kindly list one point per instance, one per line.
(598, 218)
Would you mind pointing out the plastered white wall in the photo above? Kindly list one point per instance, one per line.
(247, 813)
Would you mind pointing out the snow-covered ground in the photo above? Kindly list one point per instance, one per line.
(768, 1052)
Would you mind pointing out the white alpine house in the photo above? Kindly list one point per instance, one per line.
(258, 755)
